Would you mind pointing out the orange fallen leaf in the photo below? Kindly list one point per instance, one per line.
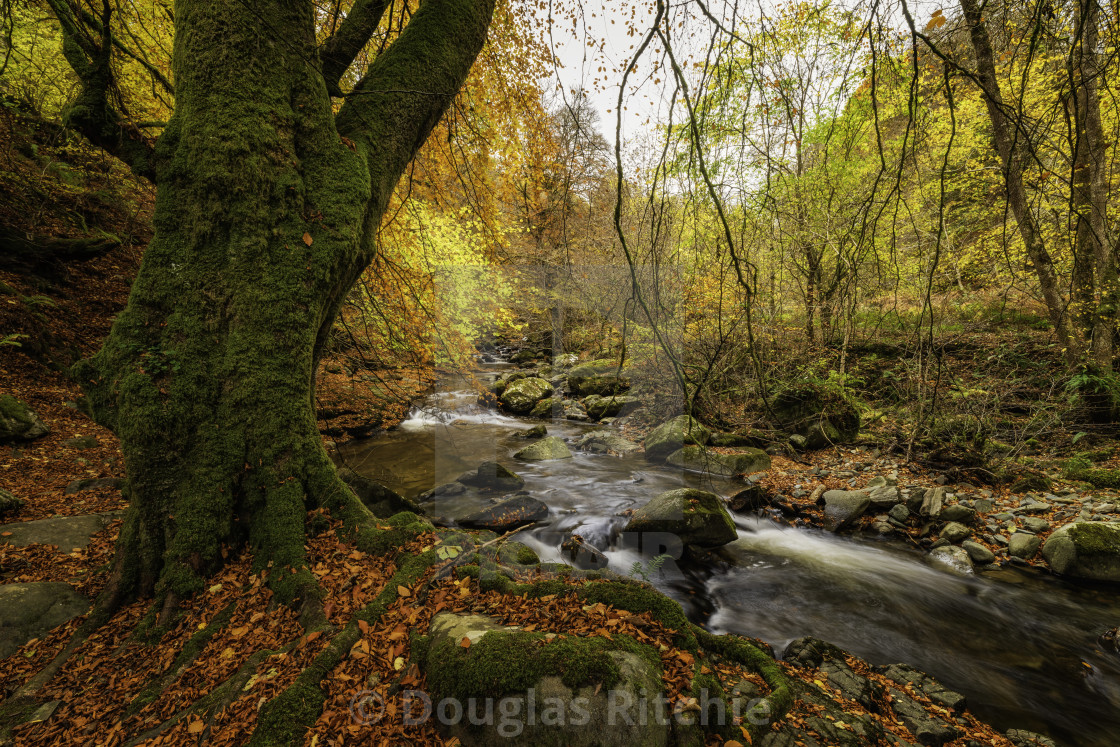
(403, 591)
(307, 238)
(465, 643)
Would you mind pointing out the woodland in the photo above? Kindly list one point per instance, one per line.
(556, 372)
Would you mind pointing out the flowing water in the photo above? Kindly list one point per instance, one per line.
(1020, 645)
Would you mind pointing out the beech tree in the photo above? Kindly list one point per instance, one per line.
(268, 201)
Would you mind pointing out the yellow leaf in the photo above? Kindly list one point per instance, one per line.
(398, 663)
(196, 726)
(307, 238)
(403, 591)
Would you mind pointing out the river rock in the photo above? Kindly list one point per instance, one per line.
(64, 532)
(1024, 738)
(842, 507)
(932, 502)
(884, 497)
(699, 459)
(978, 553)
(492, 476)
(30, 610)
(537, 431)
(600, 367)
(674, 434)
(577, 551)
(522, 395)
(549, 447)
(955, 533)
(1023, 545)
(9, 504)
(958, 513)
(1035, 524)
(751, 498)
(508, 515)
(380, 500)
(954, 558)
(1085, 549)
(599, 442)
(573, 410)
(697, 517)
(512, 665)
(549, 407)
(18, 422)
(604, 386)
(598, 407)
(899, 513)
(922, 683)
(930, 731)
(565, 360)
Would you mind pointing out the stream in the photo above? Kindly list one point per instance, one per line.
(1020, 645)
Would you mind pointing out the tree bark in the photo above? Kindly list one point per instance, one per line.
(1013, 152)
(266, 209)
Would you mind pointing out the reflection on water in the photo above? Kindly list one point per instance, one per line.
(1022, 647)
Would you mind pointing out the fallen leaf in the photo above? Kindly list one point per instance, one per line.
(307, 238)
(465, 643)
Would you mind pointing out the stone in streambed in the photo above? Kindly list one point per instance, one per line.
(380, 500)
(673, 435)
(549, 447)
(1023, 545)
(507, 515)
(953, 558)
(1085, 549)
(955, 533)
(598, 407)
(697, 458)
(522, 395)
(599, 442)
(577, 551)
(603, 385)
(492, 476)
(697, 517)
(978, 553)
(842, 507)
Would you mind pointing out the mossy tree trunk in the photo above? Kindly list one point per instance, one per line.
(267, 204)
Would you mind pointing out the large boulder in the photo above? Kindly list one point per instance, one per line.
(492, 476)
(598, 407)
(522, 395)
(507, 515)
(30, 610)
(601, 442)
(605, 385)
(600, 367)
(697, 517)
(822, 415)
(674, 434)
(742, 462)
(842, 507)
(1085, 549)
(18, 422)
(64, 532)
(551, 691)
(549, 447)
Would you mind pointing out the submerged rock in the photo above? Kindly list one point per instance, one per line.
(699, 459)
(492, 476)
(380, 500)
(549, 447)
(507, 515)
(18, 422)
(537, 431)
(697, 517)
(673, 435)
(607, 443)
(1085, 549)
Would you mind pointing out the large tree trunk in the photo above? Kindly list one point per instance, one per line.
(1013, 152)
(265, 214)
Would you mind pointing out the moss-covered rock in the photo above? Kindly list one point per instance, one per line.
(548, 407)
(602, 442)
(1085, 549)
(672, 435)
(599, 367)
(604, 385)
(699, 459)
(697, 517)
(9, 503)
(822, 415)
(549, 447)
(599, 407)
(18, 422)
(568, 683)
(522, 395)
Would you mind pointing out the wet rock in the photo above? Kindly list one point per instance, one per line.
(602, 385)
(1085, 549)
(64, 532)
(31, 610)
(607, 443)
(92, 483)
(1024, 738)
(492, 476)
(574, 411)
(697, 517)
(537, 431)
(923, 683)
(549, 447)
(810, 653)
(952, 558)
(930, 731)
(380, 500)
(699, 459)
(673, 435)
(955, 533)
(549, 407)
(9, 504)
(842, 507)
(510, 514)
(751, 499)
(522, 395)
(1023, 545)
(534, 673)
(18, 422)
(581, 554)
(598, 407)
(978, 553)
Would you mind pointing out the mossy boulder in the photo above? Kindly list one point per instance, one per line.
(18, 422)
(383, 502)
(821, 415)
(548, 407)
(700, 459)
(697, 517)
(522, 395)
(492, 476)
(598, 407)
(736, 439)
(605, 385)
(549, 447)
(1085, 549)
(600, 442)
(568, 683)
(600, 367)
(674, 434)
(9, 504)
